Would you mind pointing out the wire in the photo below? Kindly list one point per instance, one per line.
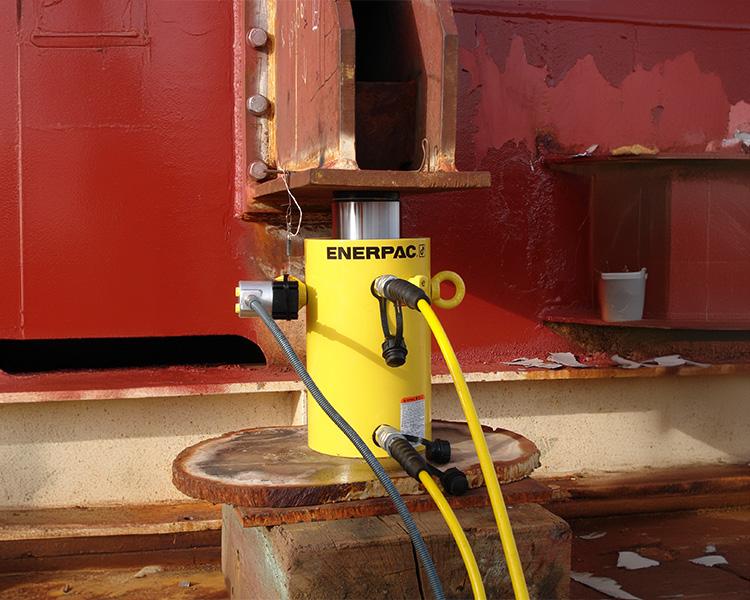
(411, 527)
(485, 460)
(292, 197)
(477, 587)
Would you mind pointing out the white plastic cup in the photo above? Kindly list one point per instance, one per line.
(621, 295)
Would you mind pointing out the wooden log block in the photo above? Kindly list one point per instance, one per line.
(273, 467)
(372, 557)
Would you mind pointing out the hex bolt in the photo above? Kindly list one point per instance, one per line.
(257, 37)
(258, 105)
(258, 170)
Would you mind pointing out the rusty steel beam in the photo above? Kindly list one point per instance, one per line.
(319, 183)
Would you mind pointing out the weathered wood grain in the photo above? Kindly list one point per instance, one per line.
(273, 467)
(372, 557)
(518, 492)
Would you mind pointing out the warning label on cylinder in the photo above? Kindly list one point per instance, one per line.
(412, 415)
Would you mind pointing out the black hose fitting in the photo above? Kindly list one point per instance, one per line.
(399, 291)
(405, 454)
(400, 449)
(438, 451)
(454, 482)
(285, 299)
(394, 351)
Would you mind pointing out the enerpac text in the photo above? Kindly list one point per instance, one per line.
(373, 252)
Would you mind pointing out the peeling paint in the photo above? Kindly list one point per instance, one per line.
(532, 85)
(584, 107)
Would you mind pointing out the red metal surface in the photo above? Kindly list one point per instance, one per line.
(122, 207)
(540, 77)
(120, 174)
(11, 316)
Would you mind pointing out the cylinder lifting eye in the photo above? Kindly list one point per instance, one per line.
(394, 346)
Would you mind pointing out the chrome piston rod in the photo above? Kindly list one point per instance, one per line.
(366, 216)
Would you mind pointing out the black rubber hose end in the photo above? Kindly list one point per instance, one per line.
(439, 451)
(410, 460)
(405, 292)
(285, 299)
(454, 482)
(394, 352)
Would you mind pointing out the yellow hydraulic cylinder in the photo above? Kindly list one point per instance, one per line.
(344, 338)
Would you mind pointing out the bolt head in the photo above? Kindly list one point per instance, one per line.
(258, 105)
(257, 37)
(258, 170)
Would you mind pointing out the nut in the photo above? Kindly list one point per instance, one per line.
(258, 105)
(257, 37)
(258, 170)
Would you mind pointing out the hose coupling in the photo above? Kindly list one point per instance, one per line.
(398, 291)
(385, 435)
(378, 286)
(400, 449)
(282, 298)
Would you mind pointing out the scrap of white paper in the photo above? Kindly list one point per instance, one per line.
(670, 360)
(692, 363)
(566, 359)
(605, 585)
(710, 549)
(625, 363)
(674, 360)
(710, 561)
(632, 561)
(532, 362)
(594, 535)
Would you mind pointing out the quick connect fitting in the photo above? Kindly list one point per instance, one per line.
(398, 446)
(399, 291)
(394, 443)
(281, 298)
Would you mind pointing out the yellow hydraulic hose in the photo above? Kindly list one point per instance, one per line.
(485, 460)
(457, 531)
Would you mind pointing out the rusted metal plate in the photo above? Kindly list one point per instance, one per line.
(589, 165)
(592, 318)
(405, 121)
(313, 63)
(273, 467)
(518, 492)
(319, 183)
(642, 343)
(438, 41)
(657, 490)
